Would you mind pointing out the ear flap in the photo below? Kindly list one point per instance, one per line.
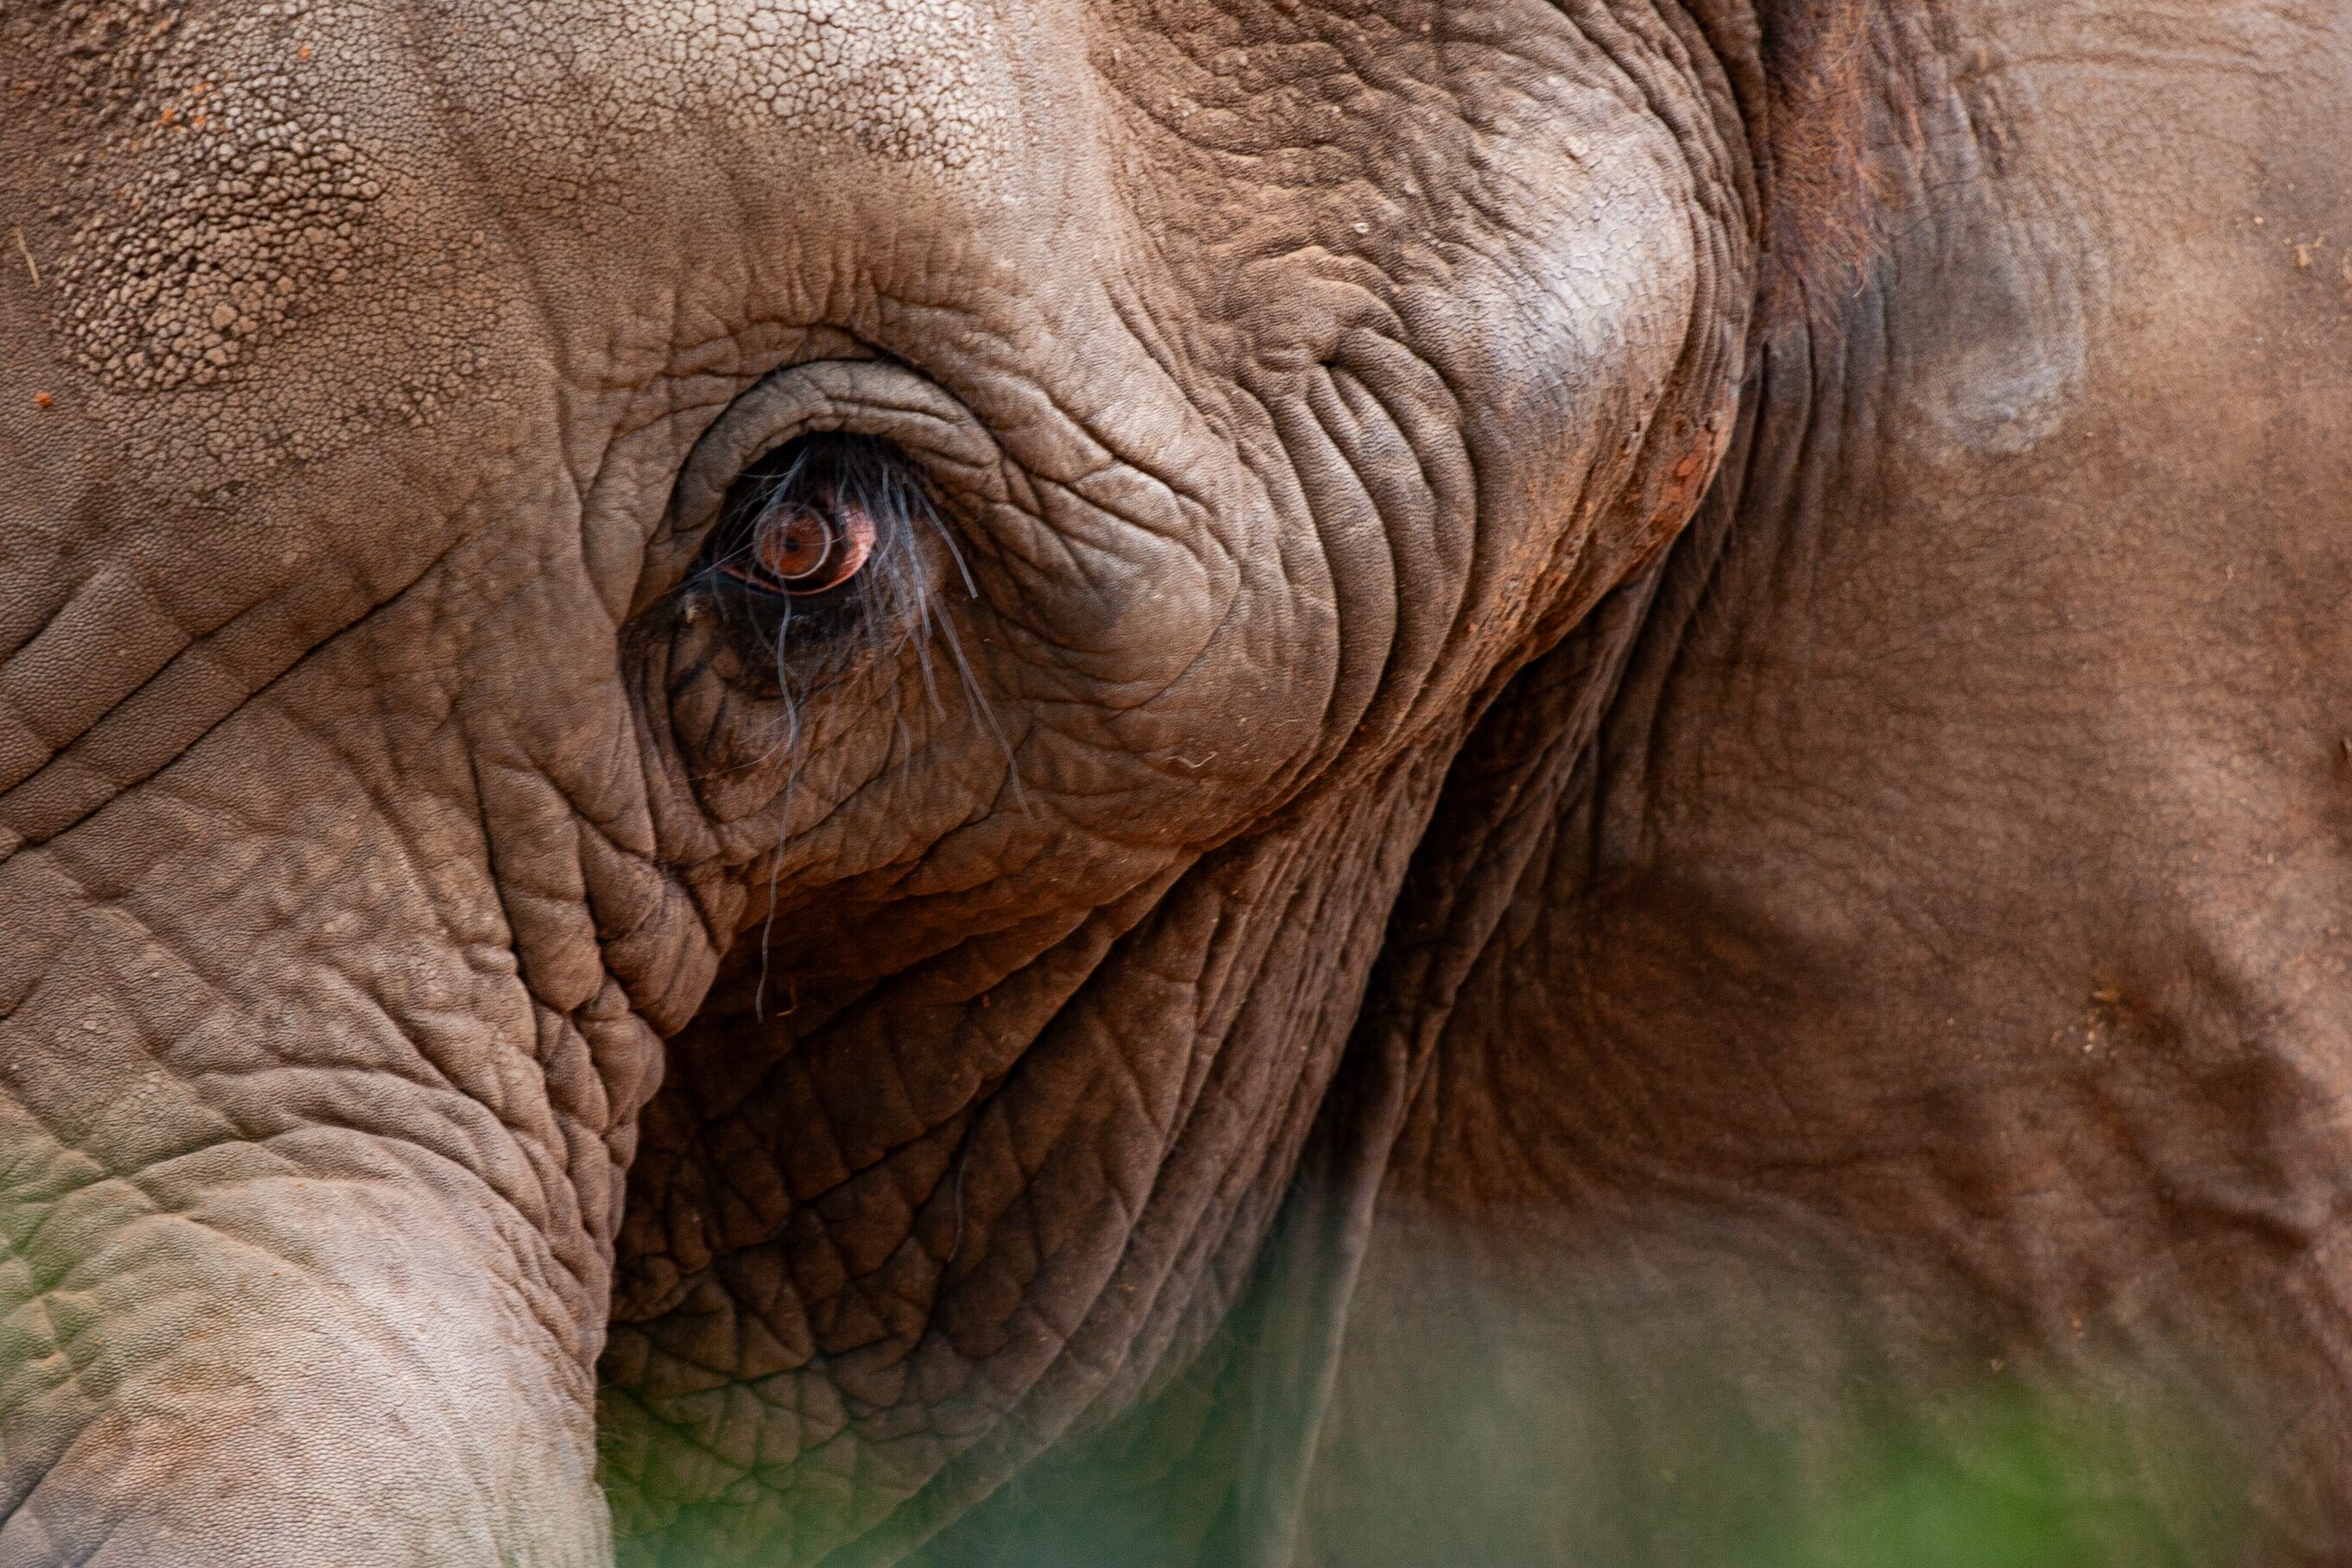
(1504, 787)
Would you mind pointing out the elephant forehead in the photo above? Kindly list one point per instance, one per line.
(916, 81)
(246, 154)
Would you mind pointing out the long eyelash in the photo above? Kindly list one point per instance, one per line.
(901, 604)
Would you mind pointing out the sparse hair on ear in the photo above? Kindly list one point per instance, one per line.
(1821, 178)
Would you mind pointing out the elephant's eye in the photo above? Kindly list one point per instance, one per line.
(811, 556)
(802, 548)
(789, 526)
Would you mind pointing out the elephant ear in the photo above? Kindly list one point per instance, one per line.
(1502, 794)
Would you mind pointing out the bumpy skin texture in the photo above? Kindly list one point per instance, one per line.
(477, 1038)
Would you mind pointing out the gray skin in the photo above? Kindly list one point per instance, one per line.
(1384, 985)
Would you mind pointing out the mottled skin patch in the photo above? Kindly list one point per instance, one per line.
(232, 194)
(230, 211)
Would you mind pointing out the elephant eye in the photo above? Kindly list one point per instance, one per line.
(789, 527)
(811, 555)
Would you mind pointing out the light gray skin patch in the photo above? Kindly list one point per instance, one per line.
(2001, 358)
(2010, 360)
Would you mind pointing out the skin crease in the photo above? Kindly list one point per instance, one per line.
(476, 1044)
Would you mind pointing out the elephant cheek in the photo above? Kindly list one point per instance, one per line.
(919, 1244)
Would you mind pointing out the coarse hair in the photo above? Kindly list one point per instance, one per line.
(1830, 124)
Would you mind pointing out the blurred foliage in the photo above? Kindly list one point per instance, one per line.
(2010, 1479)
(2005, 1476)
(1649, 1409)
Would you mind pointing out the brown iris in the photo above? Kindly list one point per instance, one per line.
(803, 546)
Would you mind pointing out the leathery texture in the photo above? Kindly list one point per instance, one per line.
(499, 1015)
(1283, 911)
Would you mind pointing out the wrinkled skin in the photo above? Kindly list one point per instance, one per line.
(1554, 759)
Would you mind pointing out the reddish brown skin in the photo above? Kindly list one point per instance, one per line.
(1638, 818)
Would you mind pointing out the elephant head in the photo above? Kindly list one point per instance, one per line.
(711, 714)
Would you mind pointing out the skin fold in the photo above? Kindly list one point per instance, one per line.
(1580, 801)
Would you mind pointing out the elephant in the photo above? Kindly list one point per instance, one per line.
(1365, 783)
